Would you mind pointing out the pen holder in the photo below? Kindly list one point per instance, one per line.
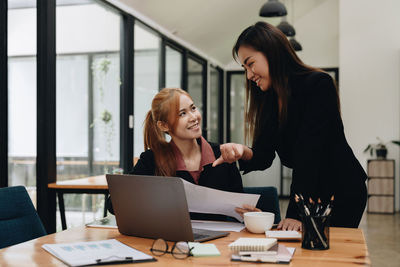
(315, 234)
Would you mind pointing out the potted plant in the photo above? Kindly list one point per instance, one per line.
(379, 148)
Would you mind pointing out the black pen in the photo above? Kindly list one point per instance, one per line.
(313, 206)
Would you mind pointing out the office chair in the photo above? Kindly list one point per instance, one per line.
(268, 201)
(19, 221)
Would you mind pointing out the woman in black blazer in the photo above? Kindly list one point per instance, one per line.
(293, 109)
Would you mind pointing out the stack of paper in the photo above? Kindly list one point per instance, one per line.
(252, 244)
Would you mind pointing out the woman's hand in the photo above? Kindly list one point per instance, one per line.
(231, 152)
(245, 208)
(289, 224)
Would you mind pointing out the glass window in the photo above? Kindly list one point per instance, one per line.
(173, 67)
(215, 119)
(105, 123)
(87, 104)
(22, 95)
(146, 77)
(195, 84)
(237, 95)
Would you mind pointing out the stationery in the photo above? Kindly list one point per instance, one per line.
(283, 235)
(284, 255)
(96, 253)
(201, 250)
(252, 244)
(106, 222)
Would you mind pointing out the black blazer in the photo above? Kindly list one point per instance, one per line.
(223, 177)
(311, 142)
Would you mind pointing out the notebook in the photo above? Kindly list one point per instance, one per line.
(252, 244)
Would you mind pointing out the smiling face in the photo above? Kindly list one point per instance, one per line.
(256, 66)
(188, 126)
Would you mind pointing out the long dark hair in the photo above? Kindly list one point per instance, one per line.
(282, 62)
(164, 108)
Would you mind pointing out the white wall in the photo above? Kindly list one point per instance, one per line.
(369, 46)
(317, 30)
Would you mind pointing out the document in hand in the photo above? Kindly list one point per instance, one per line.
(207, 200)
(96, 252)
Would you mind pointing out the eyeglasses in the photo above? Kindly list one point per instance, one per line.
(180, 250)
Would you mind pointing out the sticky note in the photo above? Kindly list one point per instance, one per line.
(203, 250)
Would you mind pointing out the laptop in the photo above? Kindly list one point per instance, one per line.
(154, 207)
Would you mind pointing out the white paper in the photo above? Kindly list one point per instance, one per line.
(218, 226)
(207, 200)
(283, 234)
(86, 253)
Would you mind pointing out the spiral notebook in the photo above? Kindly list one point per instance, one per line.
(252, 244)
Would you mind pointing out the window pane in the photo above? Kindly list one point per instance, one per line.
(237, 108)
(72, 117)
(146, 77)
(173, 67)
(105, 69)
(22, 95)
(87, 128)
(195, 83)
(213, 124)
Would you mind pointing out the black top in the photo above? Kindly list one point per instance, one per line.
(224, 177)
(311, 142)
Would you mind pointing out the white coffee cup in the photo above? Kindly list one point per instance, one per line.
(259, 221)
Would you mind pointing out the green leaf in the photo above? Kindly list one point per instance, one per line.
(367, 148)
(397, 142)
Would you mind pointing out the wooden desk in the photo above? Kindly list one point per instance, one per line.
(88, 185)
(347, 248)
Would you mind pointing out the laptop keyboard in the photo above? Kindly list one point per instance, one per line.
(199, 236)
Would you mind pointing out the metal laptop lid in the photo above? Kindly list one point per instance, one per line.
(150, 206)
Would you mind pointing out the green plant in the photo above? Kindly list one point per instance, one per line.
(104, 119)
(379, 148)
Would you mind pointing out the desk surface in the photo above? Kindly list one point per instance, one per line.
(93, 182)
(347, 248)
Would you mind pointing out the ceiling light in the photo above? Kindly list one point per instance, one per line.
(286, 28)
(296, 45)
(273, 8)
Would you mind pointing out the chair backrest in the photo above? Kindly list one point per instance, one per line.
(19, 221)
(268, 201)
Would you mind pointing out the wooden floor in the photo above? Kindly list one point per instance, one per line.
(382, 233)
